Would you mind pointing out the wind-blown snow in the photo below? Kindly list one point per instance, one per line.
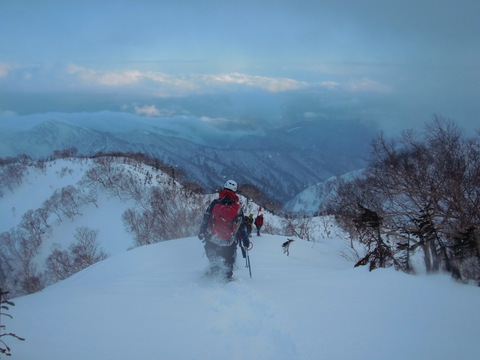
(154, 303)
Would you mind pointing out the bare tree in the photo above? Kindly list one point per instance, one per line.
(58, 264)
(34, 224)
(65, 153)
(4, 306)
(82, 253)
(164, 213)
(301, 226)
(85, 251)
(426, 190)
(115, 178)
(70, 201)
(18, 251)
(11, 174)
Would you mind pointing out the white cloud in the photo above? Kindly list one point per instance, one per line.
(171, 80)
(332, 85)
(120, 79)
(358, 85)
(149, 110)
(261, 82)
(108, 78)
(368, 85)
(166, 84)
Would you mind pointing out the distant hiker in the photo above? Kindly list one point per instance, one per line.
(222, 229)
(249, 221)
(286, 246)
(259, 223)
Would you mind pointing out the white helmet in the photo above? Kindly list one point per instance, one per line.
(231, 185)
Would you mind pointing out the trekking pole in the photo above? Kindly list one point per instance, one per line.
(247, 259)
(248, 265)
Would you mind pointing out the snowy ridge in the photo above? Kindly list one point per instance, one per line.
(311, 199)
(153, 302)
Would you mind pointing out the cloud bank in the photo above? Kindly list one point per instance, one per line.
(75, 76)
(181, 85)
(398, 62)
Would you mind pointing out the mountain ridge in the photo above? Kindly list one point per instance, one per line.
(280, 161)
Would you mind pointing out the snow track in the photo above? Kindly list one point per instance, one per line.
(250, 325)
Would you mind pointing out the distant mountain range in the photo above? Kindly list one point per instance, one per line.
(281, 161)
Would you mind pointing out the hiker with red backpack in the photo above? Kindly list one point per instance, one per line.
(222, 229)
(259, 223)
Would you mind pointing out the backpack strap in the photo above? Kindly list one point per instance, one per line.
(225, 201)
(207, 217)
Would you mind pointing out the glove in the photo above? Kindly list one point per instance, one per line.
(246, 243)
(201, 236)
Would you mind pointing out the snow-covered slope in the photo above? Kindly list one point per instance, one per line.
(38, 185)
(311, 199)
(153, 303)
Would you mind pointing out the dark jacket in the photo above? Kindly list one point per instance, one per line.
(242, 235)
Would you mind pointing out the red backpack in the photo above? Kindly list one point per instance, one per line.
(226, 219)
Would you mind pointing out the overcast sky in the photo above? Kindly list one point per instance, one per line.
(420, 56)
